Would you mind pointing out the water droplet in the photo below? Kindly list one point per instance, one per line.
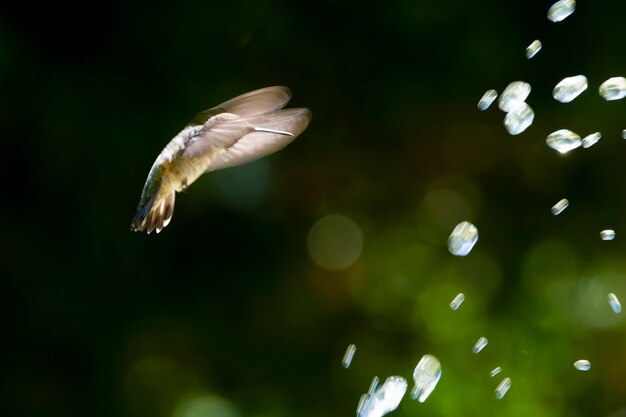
(519, 118)
(495, 371)
(365, 397)
(384, 400)
(624, 134)
(204, 404)
(373, 386)
(614, 302)
(563, 140)
(569, 88)
(462, 239)
(347, 357)
(560, 206)
(458, 300)
(592, 139)
(582, 365)
(607, 234)
(480, 344)
(487, 98)
(335, 242)
(426, 375)
(613, 89)
(362, 402)
(561, 9)
(514, 93)
(502, 389)
(533, 48)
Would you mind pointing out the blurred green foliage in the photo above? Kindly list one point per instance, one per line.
(225, 313)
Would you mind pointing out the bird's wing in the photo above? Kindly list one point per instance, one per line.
(238, 141)
(258, 144)
(218, 133)
(247, 105)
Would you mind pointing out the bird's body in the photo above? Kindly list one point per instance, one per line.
(240, 130)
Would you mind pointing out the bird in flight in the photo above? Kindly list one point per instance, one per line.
(240, 130)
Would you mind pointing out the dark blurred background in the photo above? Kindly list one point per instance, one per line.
(226, 313)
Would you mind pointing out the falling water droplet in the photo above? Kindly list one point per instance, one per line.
(614, 303)
(373, 385)
(560, 206)
(462, 239)
(363, 401)
(582, 365)
(519, 118)
(487, 98)
(426, 375)
(569, 88)
(607, 234)
(561, 9)
(590, 140)
(514, 93)
(502, 389)
(480, 344)
(347, 357)
(385, 399)
(457, 301)
(563, 140)
(613, 89)
(495, 371)
(533, 48)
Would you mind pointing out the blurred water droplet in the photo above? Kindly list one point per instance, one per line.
(363, 401)
(561, 9)
(480, 344)
(347, 357)
(624, 134)
(563, 140)
(582, 365)
(457, 301)
(373, 386)
(487, 98)
(514, 93)
(519, 118)
(426, 375)
(201, 405)
(613, 89)
(495, 371)
(335, 242)
(533, 48)
(569, 88)
(502, 389)
(385, 399)
(590, 140)
(614, 303)
(560, 206)
(607, 234)
(462, 239)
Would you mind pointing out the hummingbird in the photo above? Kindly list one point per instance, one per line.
(240, 130)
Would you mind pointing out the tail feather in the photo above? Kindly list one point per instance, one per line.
(168, 208)
(156, 213)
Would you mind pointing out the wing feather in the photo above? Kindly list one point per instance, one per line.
(255, 145)
(216, 135)
(247, 105)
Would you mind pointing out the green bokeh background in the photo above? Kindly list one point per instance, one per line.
(224, 313)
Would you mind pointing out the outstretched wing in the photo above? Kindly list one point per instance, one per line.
(247, 105)
(218, 133)
(235, 142)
